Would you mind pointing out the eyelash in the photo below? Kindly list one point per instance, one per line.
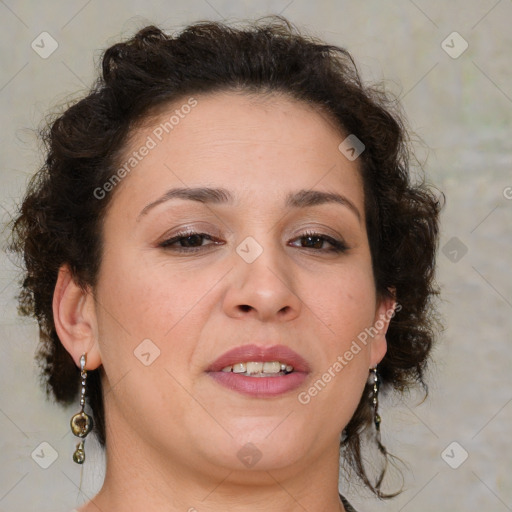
(337, 245)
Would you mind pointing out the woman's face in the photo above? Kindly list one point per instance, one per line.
(241, 226)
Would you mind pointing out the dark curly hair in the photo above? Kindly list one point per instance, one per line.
(60, 218)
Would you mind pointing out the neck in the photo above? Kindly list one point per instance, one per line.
(141, 477)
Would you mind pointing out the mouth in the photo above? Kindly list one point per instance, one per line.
(260, 371)
(259, 368)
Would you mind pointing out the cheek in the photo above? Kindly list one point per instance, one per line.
(343, 301)
(345, 307)
(141, 301)
(335, 389)
(146, 299)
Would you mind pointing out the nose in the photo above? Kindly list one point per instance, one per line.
(264, 289)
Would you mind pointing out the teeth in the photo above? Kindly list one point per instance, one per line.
(258, 368)
(239, 368)
(272, 367)
(254, 367)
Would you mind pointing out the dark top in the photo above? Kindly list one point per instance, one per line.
(347, 505)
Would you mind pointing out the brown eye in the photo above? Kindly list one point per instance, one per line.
(317, 242)
(313, 242)
(188, 241)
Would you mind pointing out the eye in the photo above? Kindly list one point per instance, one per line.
(188, 241)
(193, 241)
(317, 241)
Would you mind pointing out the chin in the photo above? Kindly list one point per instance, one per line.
(262, 447)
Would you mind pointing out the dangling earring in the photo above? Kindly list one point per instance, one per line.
(375, 383)
(81, 423)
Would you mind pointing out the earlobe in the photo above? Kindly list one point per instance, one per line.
(75, 319)
(384, 312)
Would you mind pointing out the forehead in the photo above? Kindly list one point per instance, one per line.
(259, 146)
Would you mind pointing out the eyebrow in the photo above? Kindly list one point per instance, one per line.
(300, 199)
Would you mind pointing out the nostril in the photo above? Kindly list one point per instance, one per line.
(245, 307)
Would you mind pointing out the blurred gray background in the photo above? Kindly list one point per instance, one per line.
(458, 101)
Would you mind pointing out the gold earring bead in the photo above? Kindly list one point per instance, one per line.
(79, 454)
(81, 424)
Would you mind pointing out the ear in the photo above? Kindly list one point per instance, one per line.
(386, 307)
(75, 319)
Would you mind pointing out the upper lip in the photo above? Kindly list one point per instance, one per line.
(256, 353)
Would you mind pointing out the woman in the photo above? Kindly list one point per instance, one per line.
(228, 260)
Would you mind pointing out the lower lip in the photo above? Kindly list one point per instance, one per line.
(259, 387)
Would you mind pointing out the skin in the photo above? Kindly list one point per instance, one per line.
(173, 433)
